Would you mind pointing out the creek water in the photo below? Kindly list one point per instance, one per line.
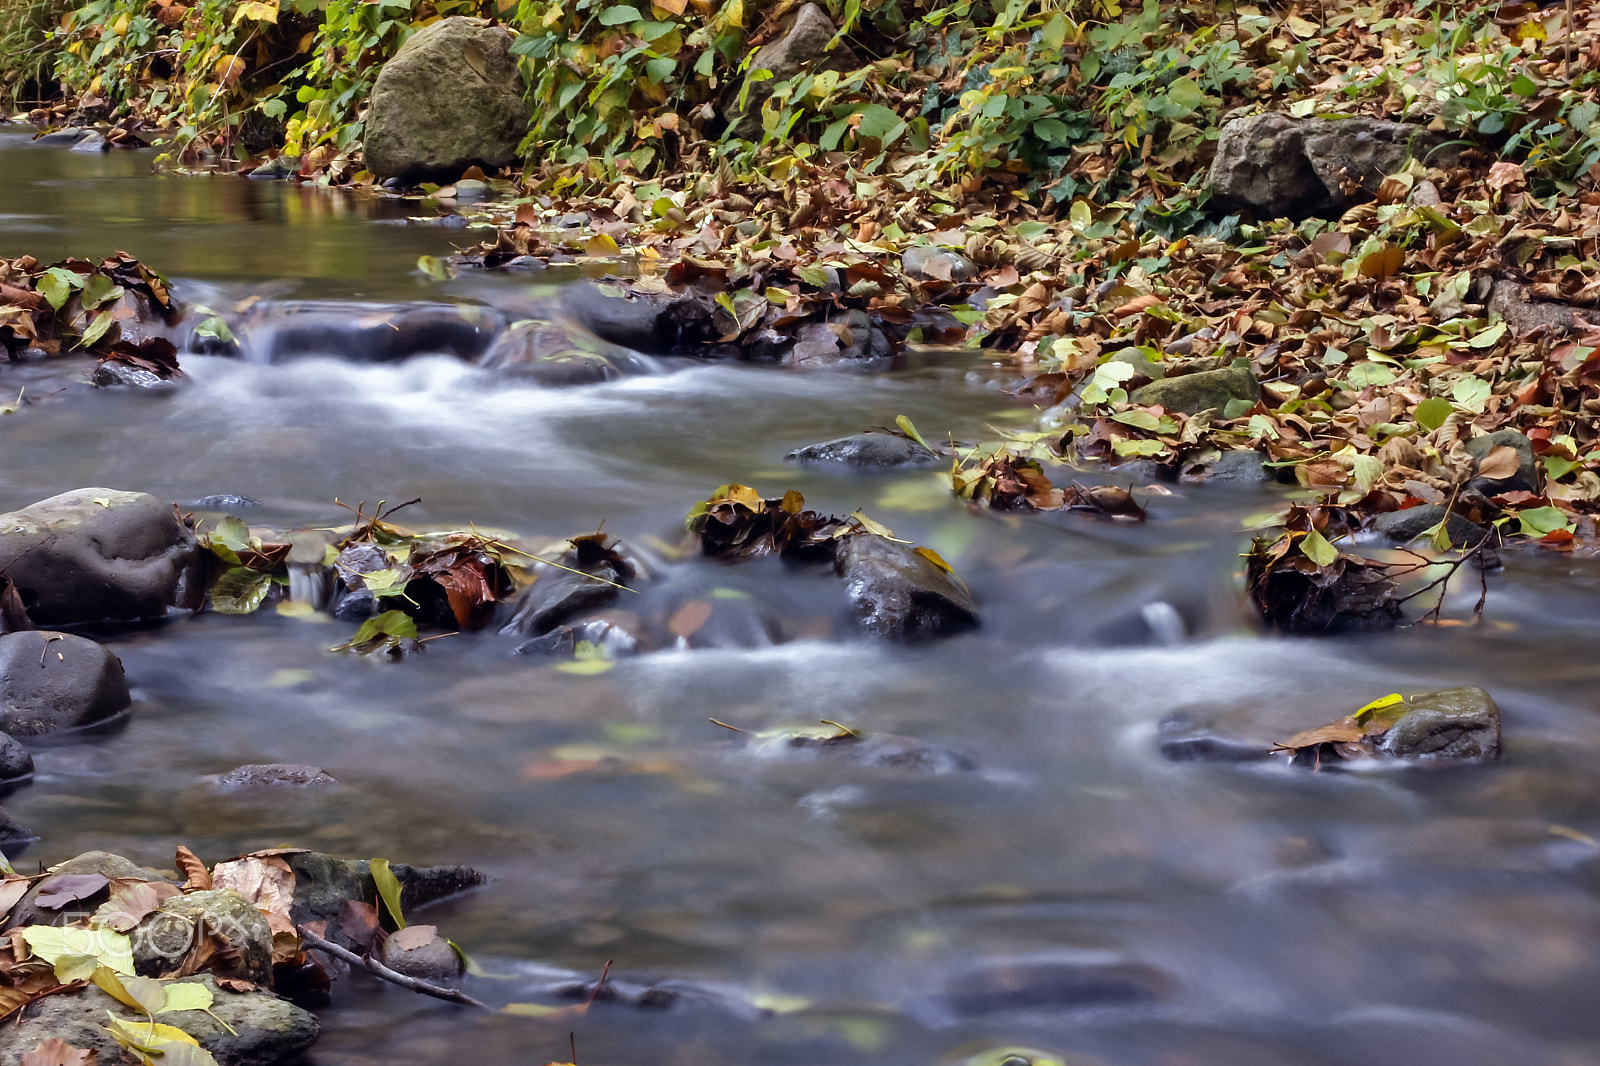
(1074, 893)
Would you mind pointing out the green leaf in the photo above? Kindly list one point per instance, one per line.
(240, 590)
(1138, 447)
(1316, 548)
(1186, 93)
(1559, 466)
(1488, 338)
(434, 267)
(1471, 392)
(97, 289)
(1537, 521)
(1432, 412)
(817, 275)
(910, 430)
(616, 16)
(394, 625)
(585, 667)
(1139, 420)
(57, 284)
(1051, 131)
(388, 582)
(51, 942)
(388, 889)
(97, 329)
(187, 996)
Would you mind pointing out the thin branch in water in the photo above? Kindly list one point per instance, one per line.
(379, 970)
(598, 985)
(1442, 583)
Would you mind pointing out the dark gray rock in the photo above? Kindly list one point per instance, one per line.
(226, 501)
(1457, 724)
(1045, 983)
(546, 353)
(93, 554)
(91, 141)
(368, 332)
(1192, 393)
(16, 762)
(277, 169)
(1206, 746)
(274, 775)
(165, 936)
(28, 912)
(434, 960)
(113, 374)
(1277, 166)
(1238, 465)
(867, 451)
(1526, 477)
(323, 884)
(656, 324)
(265, 1030)
(897, 593)
(558, 595)
(927, 262)
(61, 138)
(562, 641)
(54, 682)
(1510, 300)
(13, 834)
(805, 41)
(1404, 526)
(451, 98)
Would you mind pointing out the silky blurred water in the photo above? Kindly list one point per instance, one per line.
(1074, 893)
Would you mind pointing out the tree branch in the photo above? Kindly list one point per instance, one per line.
(379, 970)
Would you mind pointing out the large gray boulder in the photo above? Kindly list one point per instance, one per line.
(451, 98)
(242, 1028)
(900, 594)
(93, 554)
(1276, 166)
(52, 682)
(805, 41)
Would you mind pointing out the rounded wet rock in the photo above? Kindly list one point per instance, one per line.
(547, 353)
(82, 881)
(1458, 724)
(55, 682)
(94, 553)
(899, 593)
(256, 776)
(419, 951)
(866, 451)
(16, 762)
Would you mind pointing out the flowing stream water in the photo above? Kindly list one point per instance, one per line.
(1073, 893)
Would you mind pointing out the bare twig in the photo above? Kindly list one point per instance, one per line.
(379, 970)
(1442, 583)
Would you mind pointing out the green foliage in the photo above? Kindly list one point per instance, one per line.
(29, 51)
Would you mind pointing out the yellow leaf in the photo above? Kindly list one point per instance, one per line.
(673, 7)
(1379, 704)
(229, 69)
(936, 559)
(1532, 30)
(601, 244)
(258, 11)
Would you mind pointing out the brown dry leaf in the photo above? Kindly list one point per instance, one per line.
(1501, 462)
(196, 877)
(12, 889)
(686, 620)
(1138, 304)
(57, 892)
(54, 1051)
(1504, 175)
(358, 920)
(1345, 731)
(413, 937)
(266, 882)
(1383, 263)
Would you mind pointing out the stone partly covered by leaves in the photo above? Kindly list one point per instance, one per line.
(117, 308)
(1455, 725)
(1301, 583)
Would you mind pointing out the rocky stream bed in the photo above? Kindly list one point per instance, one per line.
(843, 768)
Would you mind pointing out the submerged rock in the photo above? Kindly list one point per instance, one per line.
(53, 682)
(666, 323)
(866, 451)
(242, 1028)
(546, 353)
(450, 98)
(91, 141)
(274, 775)
(368, 332)
(278, 168)
(899, 594)
(1045, 983)
(94, 553)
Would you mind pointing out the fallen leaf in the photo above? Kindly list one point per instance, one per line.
(54, 1051)
(1501, 462)
(196, 877)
